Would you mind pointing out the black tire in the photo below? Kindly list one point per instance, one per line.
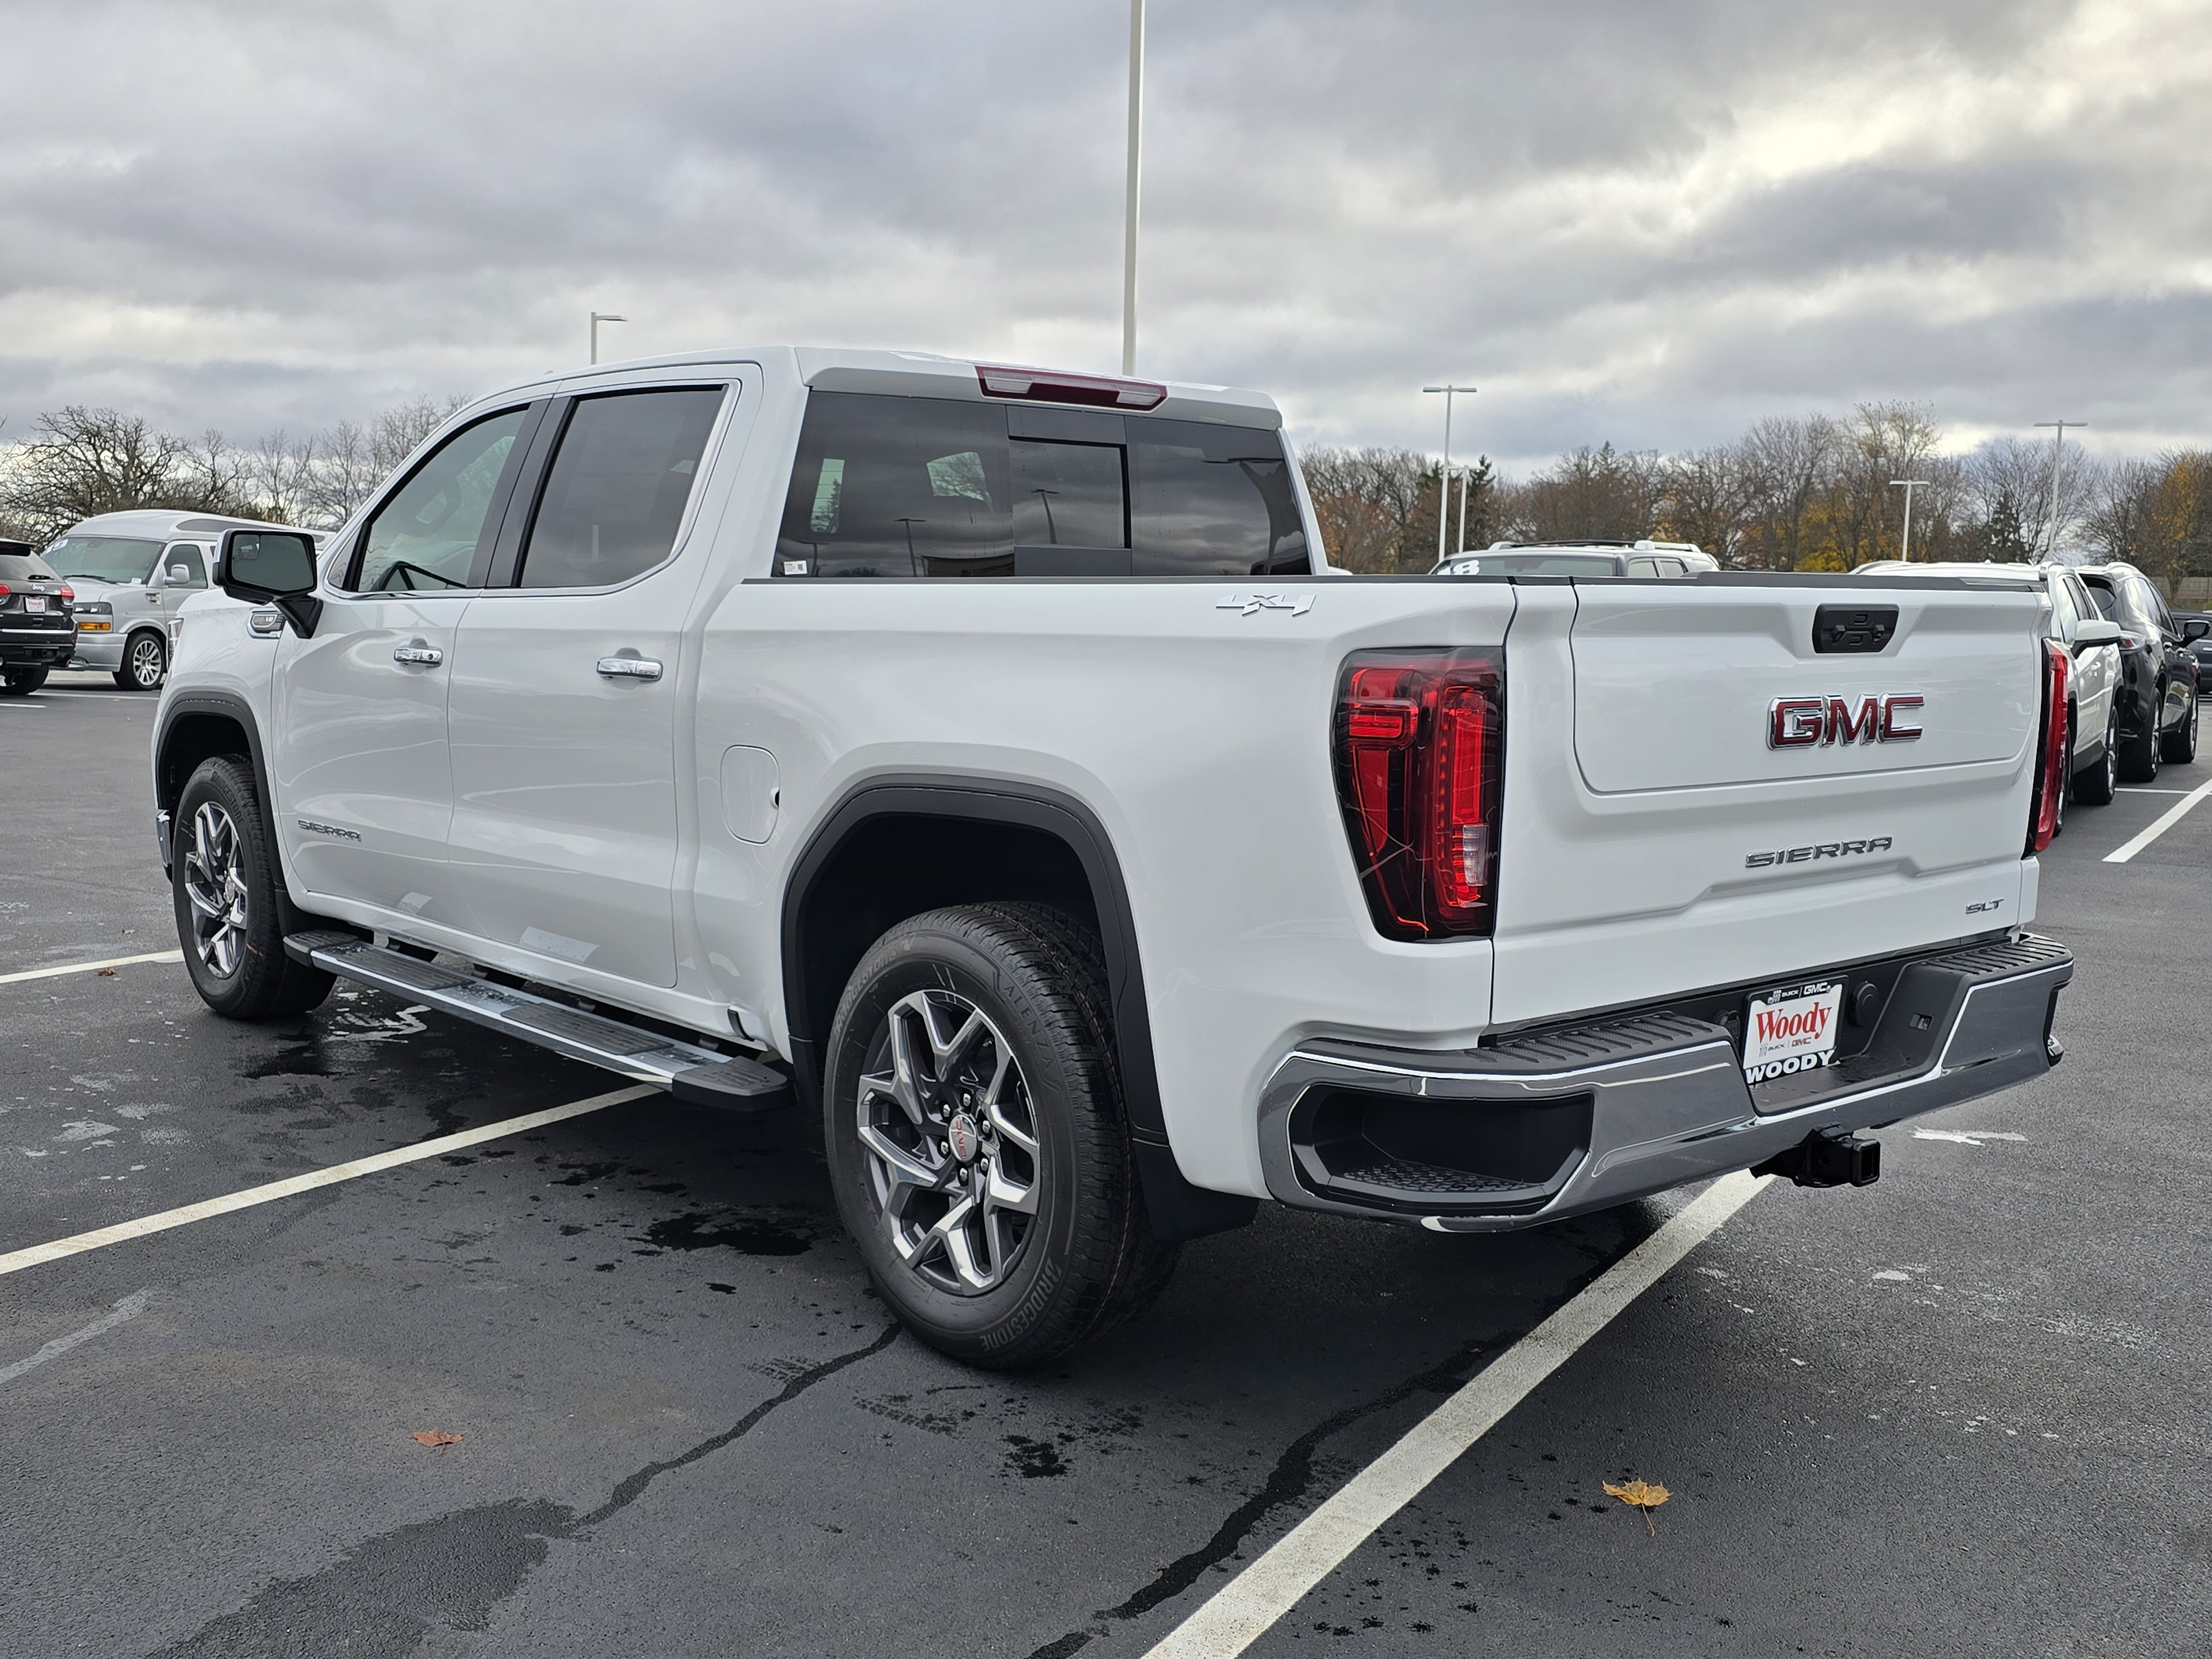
(2181, 743)
(1085, 1259)
(145, 662)
(2096, 786)
(2139, 755)
(21, 682)
(235, 954)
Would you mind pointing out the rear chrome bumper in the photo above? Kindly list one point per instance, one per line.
(1577, 1118)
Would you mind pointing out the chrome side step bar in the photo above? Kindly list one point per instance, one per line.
(698, 1075)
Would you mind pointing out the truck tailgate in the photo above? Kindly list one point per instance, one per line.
(1657, 837)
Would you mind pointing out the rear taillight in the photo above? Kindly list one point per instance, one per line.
(2052, 758)
(1419, 758)
(68, 593)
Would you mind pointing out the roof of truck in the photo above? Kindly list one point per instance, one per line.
(978, 380)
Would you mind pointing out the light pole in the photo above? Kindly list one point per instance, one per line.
(1129, 207)
(1908, 485)
(1444, 480)
(2059, 442)
(599, 317)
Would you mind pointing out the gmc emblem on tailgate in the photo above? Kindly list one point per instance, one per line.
(1804, 722)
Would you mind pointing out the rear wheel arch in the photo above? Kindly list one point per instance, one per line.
(898, 846)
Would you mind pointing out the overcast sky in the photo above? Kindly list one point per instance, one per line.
(1643, 222)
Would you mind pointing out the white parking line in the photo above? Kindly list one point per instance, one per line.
(2173, 816)
(1243, 1608)
(89, 967)
(77, 1244)
(129, 1308)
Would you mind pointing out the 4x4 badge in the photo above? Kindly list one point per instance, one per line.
(1253, 603)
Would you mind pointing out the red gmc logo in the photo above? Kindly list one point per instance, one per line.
(1805, 722)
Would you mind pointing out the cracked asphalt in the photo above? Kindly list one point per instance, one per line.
(1963, 1411)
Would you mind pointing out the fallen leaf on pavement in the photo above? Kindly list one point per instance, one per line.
(107, 973)
(1640, 1495)
(440, 1437)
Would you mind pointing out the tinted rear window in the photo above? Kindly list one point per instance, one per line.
(887, 486)
(22, 567)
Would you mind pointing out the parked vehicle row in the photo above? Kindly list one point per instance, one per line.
(128, 575)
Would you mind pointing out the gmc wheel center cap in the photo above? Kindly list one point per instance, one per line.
(962, 1134)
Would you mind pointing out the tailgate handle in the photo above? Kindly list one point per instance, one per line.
(1853, 629)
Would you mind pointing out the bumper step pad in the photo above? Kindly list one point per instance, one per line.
(689, 1071)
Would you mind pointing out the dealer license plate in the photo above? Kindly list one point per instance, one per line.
(34, 602)
(1792, 1029)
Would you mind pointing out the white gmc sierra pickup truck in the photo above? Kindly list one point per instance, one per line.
(988, 758)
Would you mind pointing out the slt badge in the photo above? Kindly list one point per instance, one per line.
(1252, 605)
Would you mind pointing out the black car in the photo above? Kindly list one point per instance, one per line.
(2201, 645)
(2157, 696)
(36, 632)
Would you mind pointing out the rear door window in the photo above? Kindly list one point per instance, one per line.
(898, 487)
(615, 495)
(2063, 619)
(434, 534)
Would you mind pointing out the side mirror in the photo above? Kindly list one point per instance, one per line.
(273, 566)
(180, 575)
(2195, 629)
(2098, 632)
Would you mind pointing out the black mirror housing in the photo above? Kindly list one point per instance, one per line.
(2196, 628)
(273, 566)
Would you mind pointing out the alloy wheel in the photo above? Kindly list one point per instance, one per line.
(951, 1140)
(146, 664)
(216, 888)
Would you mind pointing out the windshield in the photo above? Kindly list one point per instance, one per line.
(103, 558)
(1536, 564)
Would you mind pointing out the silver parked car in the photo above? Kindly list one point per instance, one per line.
(131, 572)
(1647, 559)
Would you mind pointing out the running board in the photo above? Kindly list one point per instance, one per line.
(692, 1074)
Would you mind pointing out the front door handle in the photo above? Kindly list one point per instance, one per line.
(628, 668)
(428, 655)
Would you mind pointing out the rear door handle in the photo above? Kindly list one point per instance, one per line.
(629, 668)
(428, 655)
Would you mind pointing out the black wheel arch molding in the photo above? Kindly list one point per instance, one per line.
(1054, 849)
(189, 731)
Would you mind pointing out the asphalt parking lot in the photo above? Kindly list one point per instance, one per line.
(1963, 1410)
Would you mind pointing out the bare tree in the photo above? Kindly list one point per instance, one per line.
(1376, 507)
(1706, 501)
(81, 462)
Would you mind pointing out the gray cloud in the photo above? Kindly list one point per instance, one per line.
(1643, 224)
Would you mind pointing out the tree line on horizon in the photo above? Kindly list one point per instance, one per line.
(1811, 492)
(77, 462)
(1795, 493)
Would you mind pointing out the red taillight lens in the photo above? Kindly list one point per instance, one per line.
(1419, 758)
(2054, 759)
(68, 592)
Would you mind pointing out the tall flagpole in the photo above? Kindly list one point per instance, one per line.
(1129, 222)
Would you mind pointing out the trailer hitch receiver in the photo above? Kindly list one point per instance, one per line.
(1827, 1158)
